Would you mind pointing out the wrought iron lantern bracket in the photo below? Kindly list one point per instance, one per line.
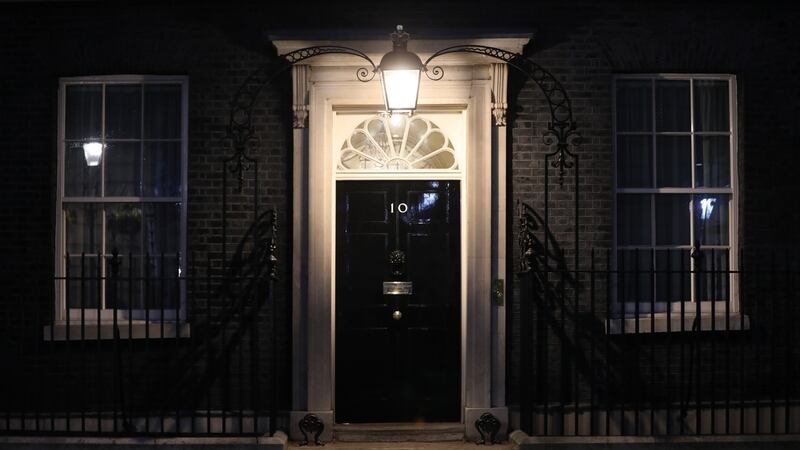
(241, 130)
(561, 130)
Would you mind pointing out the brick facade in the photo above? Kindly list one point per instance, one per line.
(217, 46)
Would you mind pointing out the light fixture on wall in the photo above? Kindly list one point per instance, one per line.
(93, 152)
(400, 72)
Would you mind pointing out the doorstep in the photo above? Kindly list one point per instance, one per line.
(462, 445)
(399, 432)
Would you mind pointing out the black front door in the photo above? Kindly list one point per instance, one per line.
(397, 356)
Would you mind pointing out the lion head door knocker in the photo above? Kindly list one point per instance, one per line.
(397, 260)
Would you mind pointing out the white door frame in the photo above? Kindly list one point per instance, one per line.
(329, 83)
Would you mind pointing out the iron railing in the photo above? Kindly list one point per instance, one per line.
(173, 352)
(640, 344)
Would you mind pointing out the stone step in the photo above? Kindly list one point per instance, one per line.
(398, 432)
(460, 445)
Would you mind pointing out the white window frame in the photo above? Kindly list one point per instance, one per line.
(671, 310)
(89, 315)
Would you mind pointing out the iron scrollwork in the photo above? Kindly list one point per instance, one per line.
(434, 73)
(241, 130)
(561, 130)
(363, 74)
(309, 424)
(526, 239)
(488, 426)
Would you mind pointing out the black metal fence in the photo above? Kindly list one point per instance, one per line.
(653, 342)
(137, 346)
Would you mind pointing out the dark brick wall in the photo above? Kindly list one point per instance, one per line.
(44, 42)
(582, 43)
(751, 42)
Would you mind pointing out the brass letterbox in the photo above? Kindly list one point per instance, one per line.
(397, 288)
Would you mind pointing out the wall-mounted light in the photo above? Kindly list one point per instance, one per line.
(93, 152)
(400, 73)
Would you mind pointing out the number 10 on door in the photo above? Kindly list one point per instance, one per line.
(401, 208)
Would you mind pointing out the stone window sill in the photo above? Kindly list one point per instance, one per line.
(137, 329)
(708, 322)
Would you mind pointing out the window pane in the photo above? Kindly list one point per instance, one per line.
(83, 111)
(633, 219)
(123, 111)
(125, 289)
(672, 105)
(123, 114)
(711, 105)
(123, 162)
(124, 228)
(83, 228)
(161, 226)
(162, 111)
(673, 278)
(634, 161)
(634, 105)
(672, 219)
(635, 275)
(380, 144)
(712, 219)
(712, 166)
(673, 161)
(160, 284)
(80, 179)
(82, 282)
(715, 278)
(162, 169)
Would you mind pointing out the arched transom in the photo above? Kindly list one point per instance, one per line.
(397, 143)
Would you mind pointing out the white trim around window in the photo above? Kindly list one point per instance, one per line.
(648, 124)
(171, 202)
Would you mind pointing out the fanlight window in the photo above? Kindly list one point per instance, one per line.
(397, 143)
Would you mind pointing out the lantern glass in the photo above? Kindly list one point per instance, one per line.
(93, 151)
(400, 89)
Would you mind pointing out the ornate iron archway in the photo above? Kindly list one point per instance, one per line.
(561, 134)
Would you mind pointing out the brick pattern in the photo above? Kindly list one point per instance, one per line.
(582, 42)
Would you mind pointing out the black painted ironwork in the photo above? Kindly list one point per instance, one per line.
(698, 369)
(526, 239)
(158, 363)
(562, 131)
(488, 427)
(241, 130)
(309, 425)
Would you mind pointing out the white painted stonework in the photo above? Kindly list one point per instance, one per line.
(468, 101)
